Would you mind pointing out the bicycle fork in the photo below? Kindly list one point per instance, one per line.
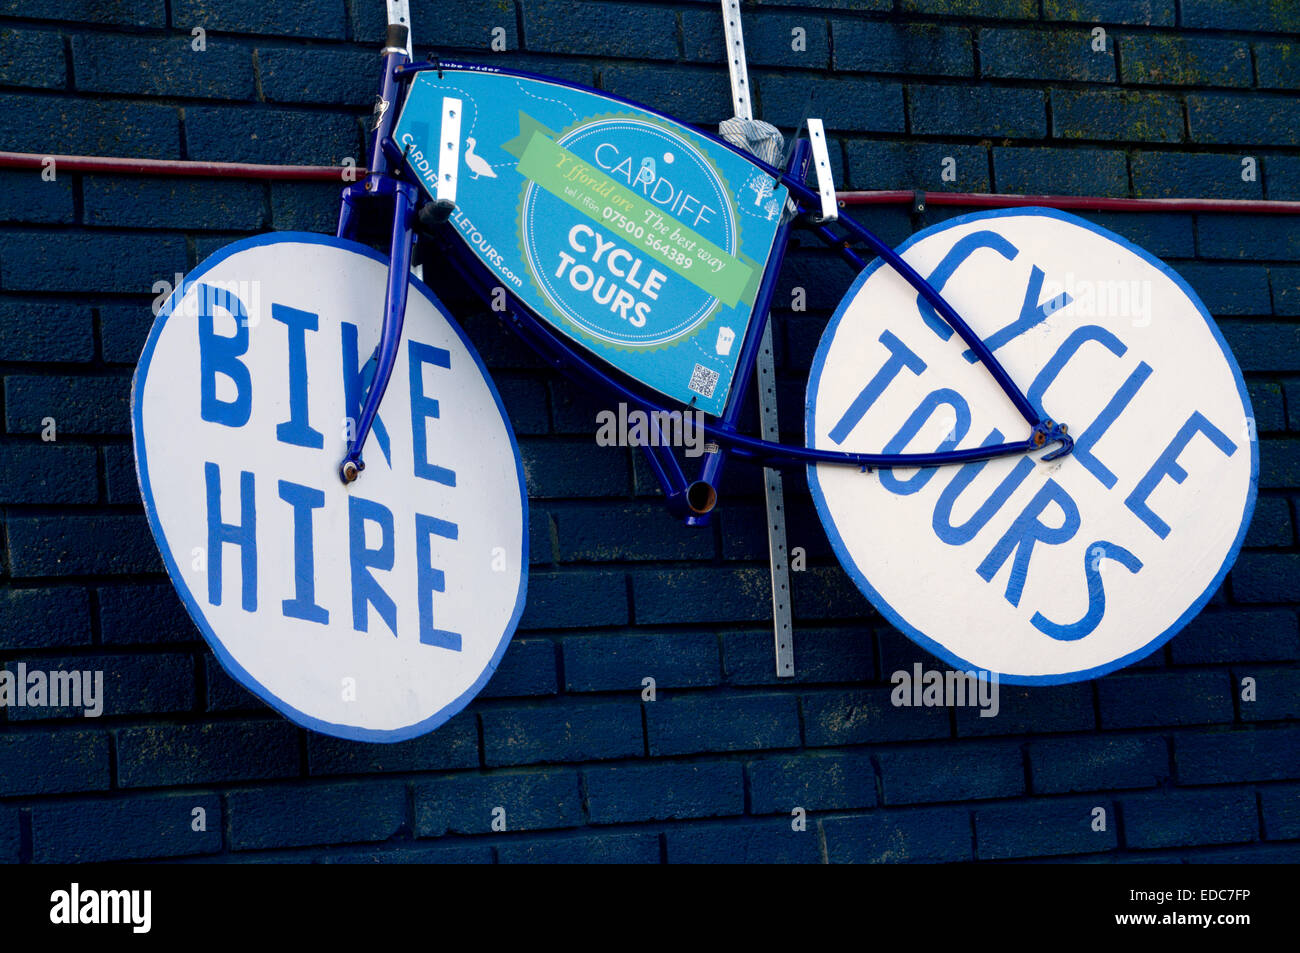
(399, 266)
(382, 182)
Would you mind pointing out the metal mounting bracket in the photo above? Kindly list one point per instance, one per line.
(822, 166)
(773, 491)
(449, 150)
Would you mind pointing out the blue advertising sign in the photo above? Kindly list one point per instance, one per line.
(630, 233)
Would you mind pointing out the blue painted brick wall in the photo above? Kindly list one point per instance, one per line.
(668, 791)
(1042, 828)
(468, 803)
(935, 835)
(726, 761)
(146, 826)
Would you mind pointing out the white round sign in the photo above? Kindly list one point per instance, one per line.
(373, 611)
(1043, 572)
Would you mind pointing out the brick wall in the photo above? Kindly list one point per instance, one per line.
(1012, 90)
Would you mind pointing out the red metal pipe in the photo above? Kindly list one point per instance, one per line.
(329, 173)
(1085, 202)
(231, 170)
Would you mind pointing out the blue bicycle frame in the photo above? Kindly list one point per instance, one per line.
(691, 500)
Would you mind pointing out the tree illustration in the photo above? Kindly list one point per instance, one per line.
(762, 186)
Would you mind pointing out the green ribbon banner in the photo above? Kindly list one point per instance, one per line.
(628, 216)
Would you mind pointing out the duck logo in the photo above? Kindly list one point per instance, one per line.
(375, 610)
(1041, 572)
(477, 164)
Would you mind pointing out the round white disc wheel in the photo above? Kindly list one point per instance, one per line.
(1041, 572)
(373, 610)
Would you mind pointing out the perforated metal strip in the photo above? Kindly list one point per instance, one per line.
(449, 149)
(822, 166)
(773, 490)
(774, 497)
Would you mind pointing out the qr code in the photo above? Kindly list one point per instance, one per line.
(703, 381)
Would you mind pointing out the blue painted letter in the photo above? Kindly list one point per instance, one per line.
(424, 407)
(900, 356)
(296, 430)
(1077, 339)
(1166, 465)
(432, 580)
(219, 354)
(365, 589)
(1027, 530)
(933, 401)
(303, 605)
(1096, 592)
(242, 534)
(1032, 313)
(942, 519)
(1084, 443)
(962, 249)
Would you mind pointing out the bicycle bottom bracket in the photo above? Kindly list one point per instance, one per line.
(701, 497)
